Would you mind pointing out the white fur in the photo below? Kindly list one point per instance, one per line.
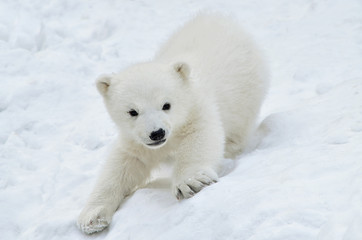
(215, 81)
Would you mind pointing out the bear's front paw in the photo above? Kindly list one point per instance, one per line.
(94, 219)
(187, 187)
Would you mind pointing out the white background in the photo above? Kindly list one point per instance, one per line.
(303, 182)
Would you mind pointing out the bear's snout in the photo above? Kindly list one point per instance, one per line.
(157, 135)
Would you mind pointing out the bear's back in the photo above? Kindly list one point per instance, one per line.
(226, 64)
(218, 51)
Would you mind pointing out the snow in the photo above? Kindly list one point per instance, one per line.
(304, 181)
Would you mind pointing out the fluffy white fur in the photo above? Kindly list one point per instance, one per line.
(214, 80)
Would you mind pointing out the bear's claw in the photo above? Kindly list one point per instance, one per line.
(193, 185)
(93, 219)
(93, 227)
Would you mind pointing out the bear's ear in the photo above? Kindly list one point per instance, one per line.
(103, 83)
(183, 70)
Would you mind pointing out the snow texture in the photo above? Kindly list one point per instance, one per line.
(304, 181)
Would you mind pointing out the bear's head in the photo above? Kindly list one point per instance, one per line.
(148, 101)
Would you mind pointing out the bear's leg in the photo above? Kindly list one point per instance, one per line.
(120, 176)
(233, 147)
(197, 159)
(245, 139)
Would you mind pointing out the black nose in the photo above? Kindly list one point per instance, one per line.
(157, 135)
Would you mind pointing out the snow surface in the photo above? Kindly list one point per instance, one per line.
(303, 182)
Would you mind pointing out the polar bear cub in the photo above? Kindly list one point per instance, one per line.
(194, 104)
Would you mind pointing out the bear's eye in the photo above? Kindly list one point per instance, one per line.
(166, 106)
(133, 113)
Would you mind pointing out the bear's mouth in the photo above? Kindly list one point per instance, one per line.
(157, 143)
